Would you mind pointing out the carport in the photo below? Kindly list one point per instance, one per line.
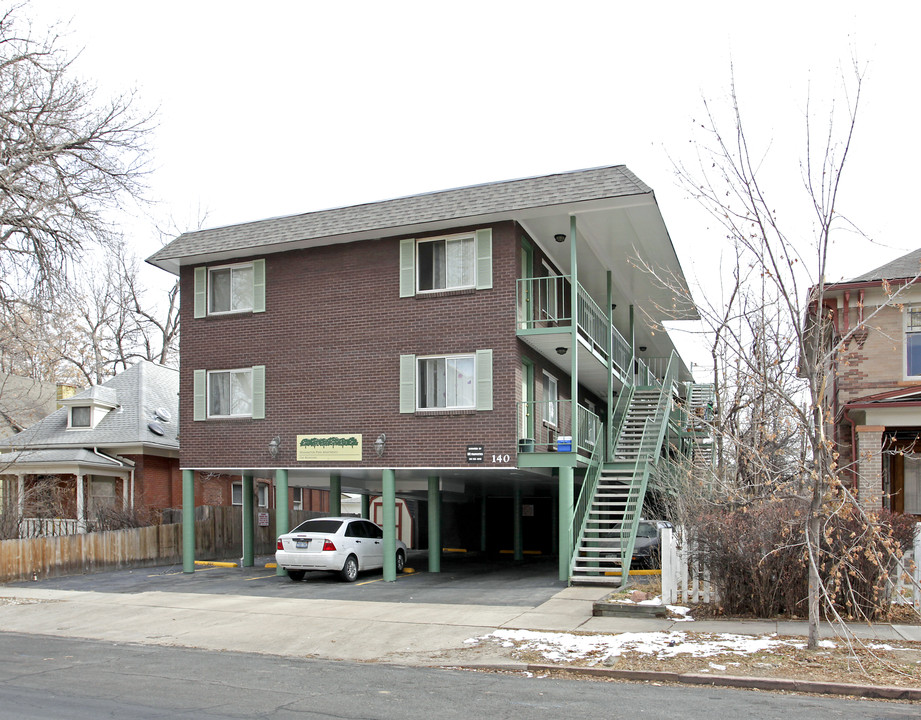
(491, 510)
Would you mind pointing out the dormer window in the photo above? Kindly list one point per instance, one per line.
(81, 416)
(85, 411)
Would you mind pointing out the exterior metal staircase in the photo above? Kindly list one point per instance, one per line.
(700, 416)
(608, 531)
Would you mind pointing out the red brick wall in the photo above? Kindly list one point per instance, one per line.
(331, 340)
(874, 365)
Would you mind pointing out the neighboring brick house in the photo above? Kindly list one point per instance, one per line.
(876, 392)
(113, 445)
(430, 347)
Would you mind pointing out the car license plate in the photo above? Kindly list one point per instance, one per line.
(300, 544)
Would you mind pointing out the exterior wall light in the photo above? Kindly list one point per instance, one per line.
(642, 348)
(380, 444)
(559, 237)
(561, 350)
(274, 447)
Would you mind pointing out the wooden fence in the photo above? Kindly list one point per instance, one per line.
(685, 580)
(218, 535)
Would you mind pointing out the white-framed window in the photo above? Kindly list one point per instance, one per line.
(81, 416)
(230, 289)
(230, 393)
(913, 342)
(551, 412)
(297, 495)
(446, 382)
(227, 289)
(262, 494)
(446, 263)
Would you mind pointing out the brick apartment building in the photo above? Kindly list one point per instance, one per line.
(876, 394)
(464, 349)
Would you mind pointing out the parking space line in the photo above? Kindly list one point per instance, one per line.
(180, 572)
(261, 577)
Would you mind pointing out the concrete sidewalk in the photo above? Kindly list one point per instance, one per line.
(394, 632)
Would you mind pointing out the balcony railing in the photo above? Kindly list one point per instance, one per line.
(544, 302)
(546, 426)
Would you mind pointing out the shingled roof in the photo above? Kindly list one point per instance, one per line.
(138, 392)
(454, 205)
(906, 267)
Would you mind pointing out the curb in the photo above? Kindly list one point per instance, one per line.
(884, 692)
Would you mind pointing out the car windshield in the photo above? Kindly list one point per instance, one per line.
(646, 530)
(318, 526)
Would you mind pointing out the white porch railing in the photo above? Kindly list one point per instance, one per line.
(46, 527)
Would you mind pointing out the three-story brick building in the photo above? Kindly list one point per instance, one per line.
(477, 349)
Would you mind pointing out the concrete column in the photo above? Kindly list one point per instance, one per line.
(389, 522)
(125, 491)
(366, 507)
(20, 496)
(282, 521)
(483, 523)
(188, 521)
(517, 541)
(434, 525)
(335, 494)
(870, 466)
(565, 521)
(81, 510)
(249, 544)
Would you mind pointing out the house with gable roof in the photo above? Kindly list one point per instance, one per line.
(492, 352)
(875, 396)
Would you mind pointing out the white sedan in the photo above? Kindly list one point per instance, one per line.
(346, 545)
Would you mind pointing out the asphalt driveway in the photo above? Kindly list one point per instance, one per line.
(465, 580)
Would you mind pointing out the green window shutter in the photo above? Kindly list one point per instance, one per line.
(258, 286)
(407, 267)
(484, 259)
(199, 381)
(258, 392)
(484, 379)
(201, 292)
(407, 383)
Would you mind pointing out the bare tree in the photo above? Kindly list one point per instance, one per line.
(773, 370)
(67, 157)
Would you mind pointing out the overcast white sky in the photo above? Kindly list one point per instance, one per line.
(275, 108)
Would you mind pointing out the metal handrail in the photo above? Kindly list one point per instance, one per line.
(587, 492)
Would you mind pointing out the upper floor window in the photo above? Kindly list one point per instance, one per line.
(450, 262)
(230, 393)
(550, 413)
(81, 416)
(447, 382)
(913, 342)
(446, 263)
(230, 289)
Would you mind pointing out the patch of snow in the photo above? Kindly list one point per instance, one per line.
(827, 644)
(562, 647)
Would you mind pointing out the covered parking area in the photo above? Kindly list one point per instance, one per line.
(493, 512)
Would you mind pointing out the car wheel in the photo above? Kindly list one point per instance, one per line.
(401, 561)
(296, 575)
(349, 570)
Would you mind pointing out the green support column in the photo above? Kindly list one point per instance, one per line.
(335, 495)
(574, 350)
(249, 544)
(434, 525)
(518, 542)
(609, 415)
(565, 542)
(483, 524)
(366, 507)
(188, 521)
(282, 521)
(388, 509)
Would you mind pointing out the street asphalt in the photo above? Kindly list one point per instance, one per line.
(421, 619)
